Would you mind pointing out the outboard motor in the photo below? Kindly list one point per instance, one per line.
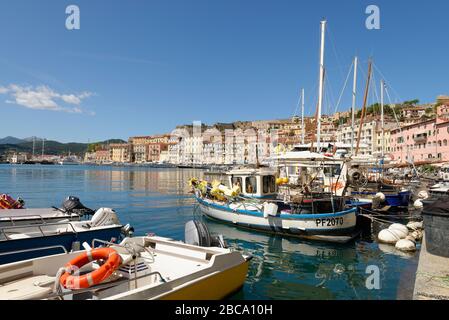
(197, 233)
(73, 205)
(104, 217)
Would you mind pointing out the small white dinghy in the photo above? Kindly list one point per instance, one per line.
(138, 268)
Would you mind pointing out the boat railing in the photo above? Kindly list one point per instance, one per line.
(39, 227)
(34, 249)
(106, 285)
(12, 218)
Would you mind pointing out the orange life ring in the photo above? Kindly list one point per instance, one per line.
(111, 264)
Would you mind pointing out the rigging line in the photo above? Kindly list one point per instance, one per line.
(386, 80)
(375, 96)
(344, 87)
(331, 38)
(298, 105)
(393, 106)
(330, 92)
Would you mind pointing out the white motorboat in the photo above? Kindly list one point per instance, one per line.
(139, 268)
(71, 210)
(69, 160)
(21, 242)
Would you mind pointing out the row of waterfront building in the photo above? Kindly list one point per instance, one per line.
(416, 135)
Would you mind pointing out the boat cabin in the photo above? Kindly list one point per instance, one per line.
(254, 183)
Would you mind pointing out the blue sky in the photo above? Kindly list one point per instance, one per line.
(143, 67)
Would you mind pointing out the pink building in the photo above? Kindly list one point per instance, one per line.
(426, 141)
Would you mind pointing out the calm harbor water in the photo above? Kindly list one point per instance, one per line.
(157, 201)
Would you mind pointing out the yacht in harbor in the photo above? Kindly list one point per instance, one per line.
(69, 160)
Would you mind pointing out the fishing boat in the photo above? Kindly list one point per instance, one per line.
(138, 268)
(312, 215)
(27, 241)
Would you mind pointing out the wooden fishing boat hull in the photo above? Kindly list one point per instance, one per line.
(334, 227)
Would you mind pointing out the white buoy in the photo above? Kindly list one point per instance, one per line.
(406, 245)
(423, 195)
(415, 225)
(388, 236)
(417, 235)
(380, 196)
(418, 204)
(399, 229)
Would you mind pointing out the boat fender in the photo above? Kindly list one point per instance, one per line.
(270, 209)
(423, 195)
(111, 264)
(418, 204)
(417, 235)
(406, 245)
(400, 229)
(380, 196)
(388, 236)
(415, 225)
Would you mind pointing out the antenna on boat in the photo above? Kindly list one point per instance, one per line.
(321, 84)
(354, 89)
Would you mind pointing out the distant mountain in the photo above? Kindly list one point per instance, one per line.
(51, 147)
(11, 140)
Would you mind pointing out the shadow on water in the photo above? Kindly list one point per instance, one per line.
(158, 201)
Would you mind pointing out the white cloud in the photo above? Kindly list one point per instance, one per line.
(44, 98)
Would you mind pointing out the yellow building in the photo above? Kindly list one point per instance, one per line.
(120, 152)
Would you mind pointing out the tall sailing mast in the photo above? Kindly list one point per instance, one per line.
(34, 143)
(43, 147)
(321, 85)
(365, 98)
(302, 117)
(382, 86)
(354, 89)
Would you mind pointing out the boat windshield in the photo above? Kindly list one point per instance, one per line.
(251, 184)
(269, 184)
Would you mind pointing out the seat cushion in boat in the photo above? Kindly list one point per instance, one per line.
(35, 287)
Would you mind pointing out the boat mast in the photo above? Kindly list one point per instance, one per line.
(354, 89)
(43, 147)
(34, 143)
(321, 84)
(382, 85)
(364, 107)
(302, 116)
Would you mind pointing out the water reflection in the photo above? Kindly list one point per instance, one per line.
(289, 268)
(157, 200)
